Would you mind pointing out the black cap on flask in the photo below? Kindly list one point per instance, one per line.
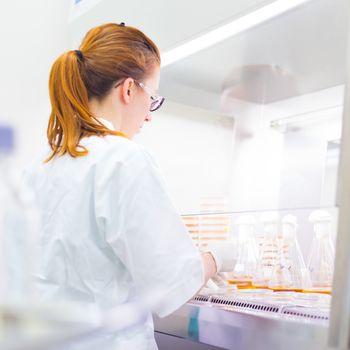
(7, 140)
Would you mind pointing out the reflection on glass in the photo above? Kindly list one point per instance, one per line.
(321, 260)
(268, 250)
(290, 272)
(247, 255)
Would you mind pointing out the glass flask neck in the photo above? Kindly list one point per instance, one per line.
(270, 230)
(288, 231)
(322, 229)
(245, 231)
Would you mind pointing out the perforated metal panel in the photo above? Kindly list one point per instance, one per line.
(306, 313)
(287, 310)
(248, 305)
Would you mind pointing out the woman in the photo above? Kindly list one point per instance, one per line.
(111, 234)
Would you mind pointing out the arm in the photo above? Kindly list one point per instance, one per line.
(209, 266)
(146, 233)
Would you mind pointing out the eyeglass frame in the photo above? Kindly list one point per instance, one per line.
(154, 96)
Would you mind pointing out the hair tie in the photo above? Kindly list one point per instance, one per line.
(79, 55)
(122, 24)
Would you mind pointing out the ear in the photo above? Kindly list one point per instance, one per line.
(126, 90)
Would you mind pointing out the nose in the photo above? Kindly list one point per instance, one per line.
(148, 117)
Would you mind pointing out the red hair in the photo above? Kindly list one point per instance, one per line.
(107, 54)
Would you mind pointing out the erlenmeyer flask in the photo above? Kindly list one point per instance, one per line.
(289, 272)
(268, 250)
(243, 272)
(321, 260)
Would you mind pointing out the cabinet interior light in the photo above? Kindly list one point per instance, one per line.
(302, 120)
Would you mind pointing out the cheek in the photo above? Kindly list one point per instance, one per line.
(145, 101)
(146, 108)
(140, 111)
(141, 114)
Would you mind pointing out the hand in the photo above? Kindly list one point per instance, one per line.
(218, 281)
(224, 254)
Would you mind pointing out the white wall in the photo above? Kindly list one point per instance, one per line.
(33, 34)
(194, 150)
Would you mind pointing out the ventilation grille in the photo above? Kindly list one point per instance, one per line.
(201, 298)
(248, 305)
(306, 313)
(313, 314)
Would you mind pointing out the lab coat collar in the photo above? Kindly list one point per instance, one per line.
(110, 126)
(107, 123)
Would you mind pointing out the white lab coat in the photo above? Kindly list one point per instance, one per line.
(112, 235)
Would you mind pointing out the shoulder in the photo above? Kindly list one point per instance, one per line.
(35, 165)
(113, 154)
(124, 150)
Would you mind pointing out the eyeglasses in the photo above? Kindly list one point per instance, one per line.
(156, 99)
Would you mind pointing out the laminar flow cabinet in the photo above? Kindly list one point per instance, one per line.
(265, 119)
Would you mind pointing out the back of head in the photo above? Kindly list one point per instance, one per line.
(109, 53)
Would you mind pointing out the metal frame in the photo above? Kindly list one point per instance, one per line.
(339, 333)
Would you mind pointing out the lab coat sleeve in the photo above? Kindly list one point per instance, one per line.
(148, 235)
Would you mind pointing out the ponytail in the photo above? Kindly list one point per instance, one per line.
(70, 118)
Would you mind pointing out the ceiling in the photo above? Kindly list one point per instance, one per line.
(168, 23)
(298, 52)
